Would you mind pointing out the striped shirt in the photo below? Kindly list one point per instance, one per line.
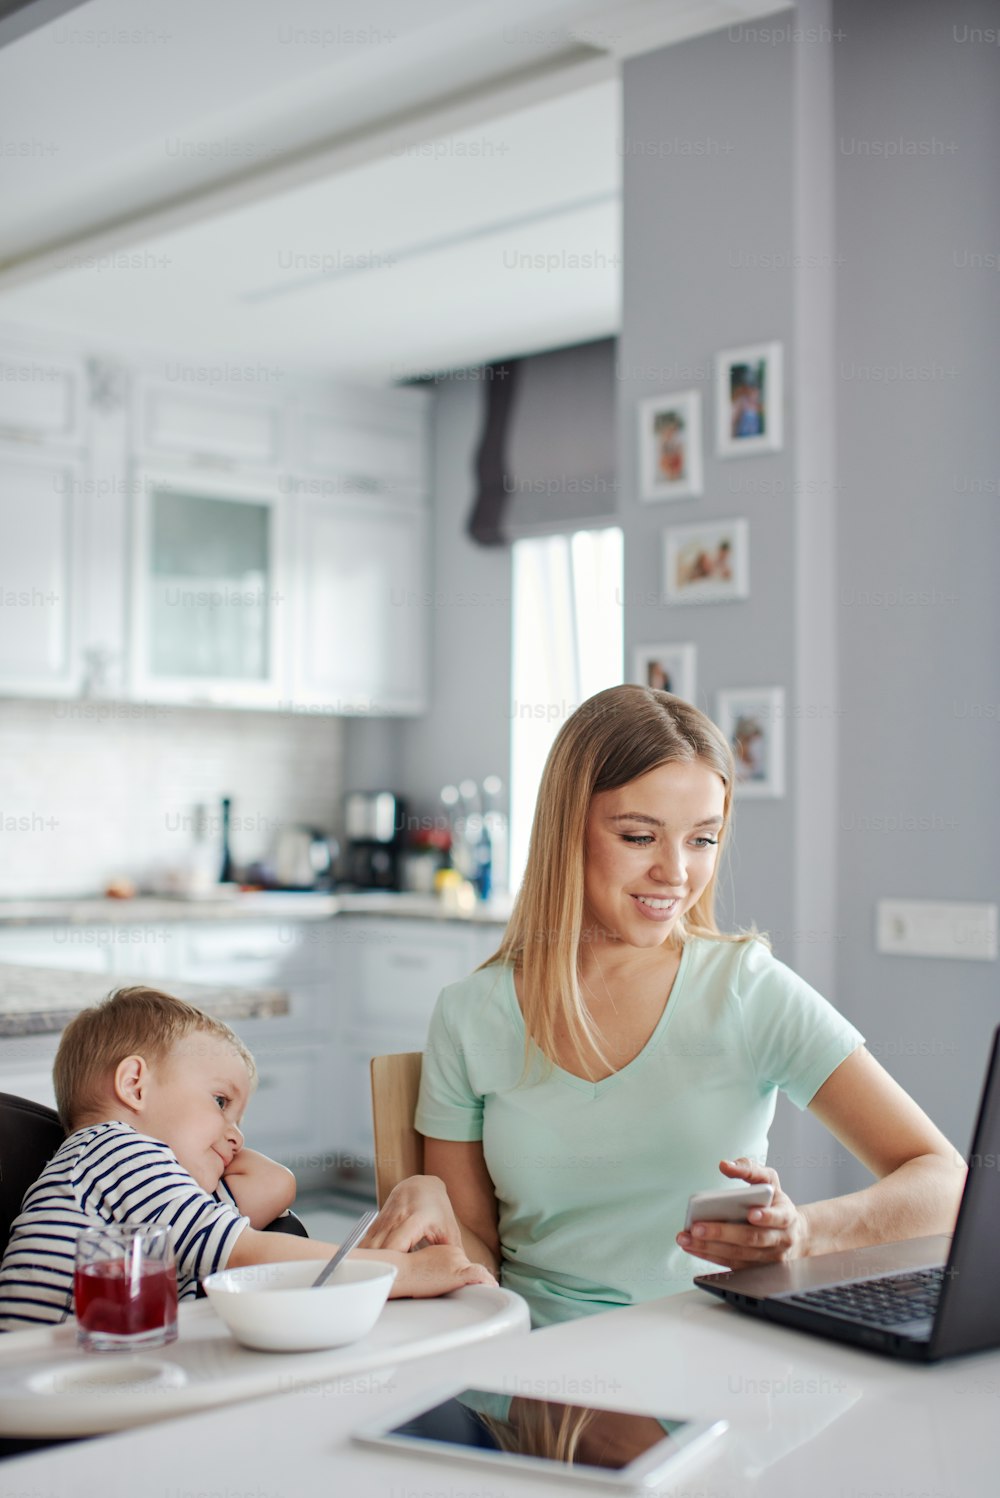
(108, 1172)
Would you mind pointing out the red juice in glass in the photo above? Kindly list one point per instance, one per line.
(125, 1289)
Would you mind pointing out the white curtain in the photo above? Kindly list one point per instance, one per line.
(567, 645)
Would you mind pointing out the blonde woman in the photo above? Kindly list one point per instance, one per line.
(618, 1051)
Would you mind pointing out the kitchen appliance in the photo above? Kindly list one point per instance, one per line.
(375, 823)
(302, 859)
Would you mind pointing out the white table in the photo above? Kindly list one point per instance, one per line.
(809, 1419)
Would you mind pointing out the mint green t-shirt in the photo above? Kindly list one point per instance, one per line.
(592, 1178)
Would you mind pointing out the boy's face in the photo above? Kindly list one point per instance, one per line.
(194, 1101)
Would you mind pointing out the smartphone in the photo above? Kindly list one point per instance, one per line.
(615, 1448)
(728, 1205)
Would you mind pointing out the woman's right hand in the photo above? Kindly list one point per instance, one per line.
(418, 1210)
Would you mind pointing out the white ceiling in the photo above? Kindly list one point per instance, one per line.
(372, 190)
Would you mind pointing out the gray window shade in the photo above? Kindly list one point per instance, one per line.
(546, 460)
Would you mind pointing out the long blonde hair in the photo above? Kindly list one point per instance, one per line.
(611, 739)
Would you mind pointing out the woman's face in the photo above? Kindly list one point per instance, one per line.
(651, 848)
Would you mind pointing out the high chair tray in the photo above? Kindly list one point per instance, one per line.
(48, 1387)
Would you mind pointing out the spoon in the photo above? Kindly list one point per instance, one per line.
(357, 1232)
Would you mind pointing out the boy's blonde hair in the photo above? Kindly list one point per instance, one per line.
(129, 1022)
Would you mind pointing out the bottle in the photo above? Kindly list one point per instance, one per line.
(226, 872)
(484, 863)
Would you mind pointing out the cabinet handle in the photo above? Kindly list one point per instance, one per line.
(238, 956)
(414, 960)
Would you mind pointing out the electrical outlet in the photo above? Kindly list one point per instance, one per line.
(936, 928)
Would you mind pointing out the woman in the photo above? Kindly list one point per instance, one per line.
(586, 1080)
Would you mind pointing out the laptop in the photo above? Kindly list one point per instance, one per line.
(922, 1299)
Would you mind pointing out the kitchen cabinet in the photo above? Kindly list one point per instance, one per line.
(42, 398)
(399, 967)
(193, 421)
(358, 986)
(360, 635)
(82, 949)
(41, 588)
(363, 443)
(166, 541)
(209, 589)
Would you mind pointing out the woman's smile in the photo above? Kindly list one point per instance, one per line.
(651, 850)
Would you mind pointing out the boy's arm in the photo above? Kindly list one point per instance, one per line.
(426, 1272)
(262, 1188)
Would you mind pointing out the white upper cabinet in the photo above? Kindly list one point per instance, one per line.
(359, 640)
(40, 583)
(209, 590)
(366, 444)
(199, 424)
(42, 400)
(166, 541)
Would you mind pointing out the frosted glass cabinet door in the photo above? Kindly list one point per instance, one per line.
(207, 592)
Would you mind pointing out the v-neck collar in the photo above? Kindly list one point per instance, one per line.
(580, 1084)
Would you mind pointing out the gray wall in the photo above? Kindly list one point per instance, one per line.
(709, 239)
(874, 534)
(918, 534)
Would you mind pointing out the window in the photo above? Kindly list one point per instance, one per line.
(567, 645)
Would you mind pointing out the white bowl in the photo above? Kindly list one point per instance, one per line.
(273, 1307)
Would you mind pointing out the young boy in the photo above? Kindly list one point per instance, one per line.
(152, 1094)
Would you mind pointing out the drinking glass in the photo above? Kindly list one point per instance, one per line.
(125, 1287)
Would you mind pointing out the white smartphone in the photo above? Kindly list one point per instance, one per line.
(615, 1448)
(728, 1205)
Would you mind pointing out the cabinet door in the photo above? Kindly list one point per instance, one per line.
(287, 1117)
(26, 1068)
(40, 509)
(200, 424)
(360, 636)
(208, 600)
(41, 398)
(83, 949)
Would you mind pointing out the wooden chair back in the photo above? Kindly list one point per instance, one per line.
(399, 1149)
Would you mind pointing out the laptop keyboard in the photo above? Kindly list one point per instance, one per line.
(886, 1301)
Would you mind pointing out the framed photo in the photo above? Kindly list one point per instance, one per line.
(669, 668)
(753, 721)
(670, 446)
(748, 400)
(706, 563)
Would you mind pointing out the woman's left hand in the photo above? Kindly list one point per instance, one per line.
(417, 1211)
(770, 1234)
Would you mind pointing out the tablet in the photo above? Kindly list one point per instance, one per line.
(617, 1448)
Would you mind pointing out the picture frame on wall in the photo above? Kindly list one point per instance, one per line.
(668, 668)
(670, 465)
(753, 721)
(749, 400)
(708, 562)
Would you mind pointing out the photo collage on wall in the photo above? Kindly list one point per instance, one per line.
(709, 561)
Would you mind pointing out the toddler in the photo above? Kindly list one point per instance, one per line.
(152, 1094)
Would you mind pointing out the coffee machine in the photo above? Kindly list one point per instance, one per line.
(375, 824)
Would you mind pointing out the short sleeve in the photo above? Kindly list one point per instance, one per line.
(448, 1107)
(795, 1037)
(139, 1179)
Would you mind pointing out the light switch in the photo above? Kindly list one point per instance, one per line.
(936, 928)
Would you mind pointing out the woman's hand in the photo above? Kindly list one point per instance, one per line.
(416, 1211)
(770, 1234)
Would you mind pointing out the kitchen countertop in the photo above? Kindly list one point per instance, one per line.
(263, 905)
(43, 1000)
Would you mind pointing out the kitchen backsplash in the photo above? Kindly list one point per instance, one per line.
(90, 791)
